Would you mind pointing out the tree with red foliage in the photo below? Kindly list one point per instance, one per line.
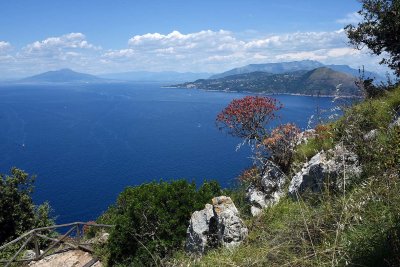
(280, 144)
(248, 117)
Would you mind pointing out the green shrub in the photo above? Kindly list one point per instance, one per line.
(151, 220)
(18, 212)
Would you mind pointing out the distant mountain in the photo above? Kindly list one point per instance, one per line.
(284, 67)
(164, 76)
(62, 76)
(322, 80)
(274, 68)
(356, 72)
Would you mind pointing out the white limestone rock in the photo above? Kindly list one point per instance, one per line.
(199, 230)
(216, 225)
(231, 229)
(270, 192)
(332, 168)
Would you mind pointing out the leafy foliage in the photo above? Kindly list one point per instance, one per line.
(151, 220)
(379, 30)
(18, 212)
(248, 117)
(280, 143)
(251, 176)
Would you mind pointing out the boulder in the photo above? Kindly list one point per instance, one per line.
(257, 200)
(326, 169)
(270, 190)
(198, 232)
(231, 229)
(216, 225)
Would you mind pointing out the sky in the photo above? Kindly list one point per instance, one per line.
(107, 36)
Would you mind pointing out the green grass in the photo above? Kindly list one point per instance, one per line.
(307, 150)
(355, 229)
(359, 227)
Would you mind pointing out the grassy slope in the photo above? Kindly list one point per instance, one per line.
(359, 227)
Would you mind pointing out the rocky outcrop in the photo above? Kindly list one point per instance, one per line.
(216, 225)
(332, 168)
(270, 190)
(199, 234)
(231, 229)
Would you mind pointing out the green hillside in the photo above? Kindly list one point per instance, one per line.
(356, 227)
(323, 81)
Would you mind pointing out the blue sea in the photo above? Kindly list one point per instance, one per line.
(86, 143)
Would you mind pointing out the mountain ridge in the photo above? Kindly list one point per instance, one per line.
(319, 81)
(290, 66)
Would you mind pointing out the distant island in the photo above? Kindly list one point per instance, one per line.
(70, 76)
(305, 77)
(62, 76)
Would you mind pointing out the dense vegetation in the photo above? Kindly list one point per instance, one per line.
(321, 81)
(356, 227)
(18, 212)
(379, 30)
(151, 220)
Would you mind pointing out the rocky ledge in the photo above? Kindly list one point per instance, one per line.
(269, 192)
(332, 168)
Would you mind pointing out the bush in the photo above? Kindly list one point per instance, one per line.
(280, 143)
(18, 212)
(248, 118)
(251, 176)
(378, 30)
(151, 220)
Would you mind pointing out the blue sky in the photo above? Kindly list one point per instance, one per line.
(208, 36)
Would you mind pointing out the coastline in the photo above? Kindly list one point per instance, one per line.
(261, 93)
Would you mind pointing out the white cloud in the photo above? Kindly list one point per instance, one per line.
(220, 50)
(320, 54)
(178, 43)
(207, 50)
(4, 46)
(72, 41)
(351, 18)
(70, 50)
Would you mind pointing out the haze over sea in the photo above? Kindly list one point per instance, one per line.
(86, 143)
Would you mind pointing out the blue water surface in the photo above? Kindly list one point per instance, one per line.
(86, 143)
